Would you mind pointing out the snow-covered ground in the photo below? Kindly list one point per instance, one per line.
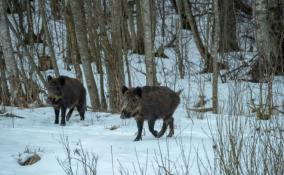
(37, 132)
(192, 145)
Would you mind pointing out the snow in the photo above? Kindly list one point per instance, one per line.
(37, 131)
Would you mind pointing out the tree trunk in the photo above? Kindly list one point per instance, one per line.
(179, 49)
(7, 48)
(30, 35)
(112, 51)
(228, 39)
(124, 27)
(95, 48)
(215, 58)
(75, 55)
(5, 95)
(140, 29)
(27, 52)
(81, 34)
(55, 7)
(48, 38)
(151, 79)
(180, 9)
(269, 40)
(206, 56)
(131, 24)
(115, 61)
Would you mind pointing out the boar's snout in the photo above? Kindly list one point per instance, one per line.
(124, 114)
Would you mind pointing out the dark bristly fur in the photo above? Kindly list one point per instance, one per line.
(65, 92)
(150, 103)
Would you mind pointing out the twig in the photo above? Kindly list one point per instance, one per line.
(7, 114)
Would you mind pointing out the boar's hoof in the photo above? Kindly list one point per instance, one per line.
(170, 134)
(56, 122)
(137, 139)
(62, 124)
(159, 135)
(155, 133)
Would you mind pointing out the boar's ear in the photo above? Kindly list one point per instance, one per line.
(61, 80)
(124, 89)
(49, 78)
(138, 91)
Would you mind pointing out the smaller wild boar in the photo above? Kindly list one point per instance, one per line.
(65, 92)
(150, 103)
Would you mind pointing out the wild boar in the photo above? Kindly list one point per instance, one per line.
(65, 92)
(150, 103)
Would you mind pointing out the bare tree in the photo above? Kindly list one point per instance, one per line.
(140, 29)
(81, 34)
(227, 22)
(215, 58)
(206, 56)
(95, 48)
(74, 51)
(149, 45)
(7, 48)
(5, 96)
(48, 38)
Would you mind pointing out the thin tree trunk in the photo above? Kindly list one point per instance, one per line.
(48, 38)
(30, 36)
(95, 49)
(227, 23)
(81, 34)
(5, 95)
(106, 48)
(29, 55)
(179, 49)
(75, 55)
(115, 62)
(151, 79)
(55, 9)
(206, 56)
(124, 27)
(7, 48)
(140, 29)
(133, 37)
(179, 8)
(215, 61)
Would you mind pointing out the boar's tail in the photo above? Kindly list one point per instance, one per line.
(179, 92)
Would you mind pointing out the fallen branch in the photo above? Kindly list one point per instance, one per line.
(7, 114)
(201, 109)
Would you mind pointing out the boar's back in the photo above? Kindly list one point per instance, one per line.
(158, 101)
(73, 92)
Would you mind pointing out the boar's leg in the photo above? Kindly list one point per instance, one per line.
(68, 116)
(56, 111)
(163, 129)
(151, 124)
(63, 113)
(140, 127)
(171, 126)
(81, 111)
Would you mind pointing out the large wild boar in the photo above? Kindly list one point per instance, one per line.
(150, 103)
(65, 92)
